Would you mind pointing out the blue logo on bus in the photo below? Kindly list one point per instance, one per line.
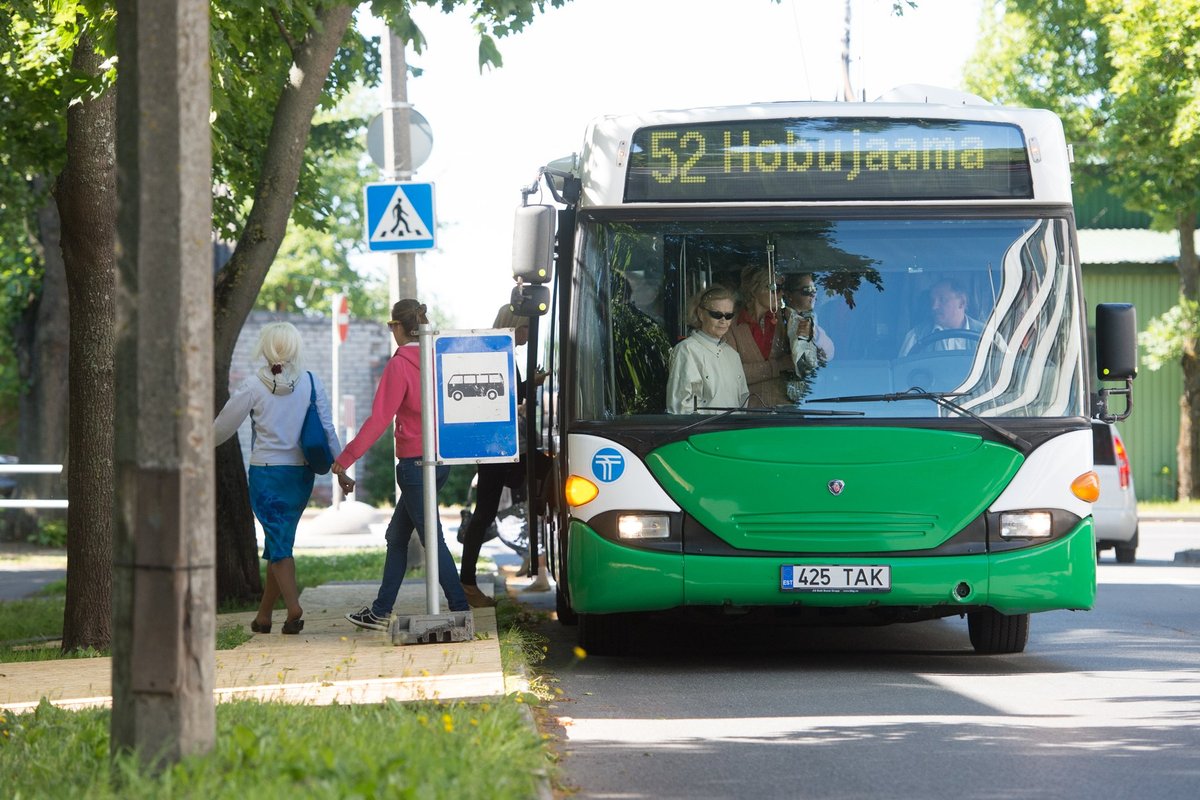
(607, 465)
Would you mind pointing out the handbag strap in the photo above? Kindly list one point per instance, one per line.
(312, 390)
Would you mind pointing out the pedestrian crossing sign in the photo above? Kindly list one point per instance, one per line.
(400, 217)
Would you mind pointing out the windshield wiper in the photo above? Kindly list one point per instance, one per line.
(940, 398)
(789, 410)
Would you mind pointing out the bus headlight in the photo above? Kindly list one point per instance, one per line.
(644, 526)
(1025, 525)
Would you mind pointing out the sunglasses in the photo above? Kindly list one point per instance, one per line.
(721, 314)
(810, 291)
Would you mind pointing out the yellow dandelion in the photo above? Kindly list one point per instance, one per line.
(520, 699)
(486, 707)
(421, 718)
(475, 722)
(580, 653)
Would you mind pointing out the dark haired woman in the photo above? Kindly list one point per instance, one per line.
(398, 397)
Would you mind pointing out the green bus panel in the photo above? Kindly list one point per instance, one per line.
(607, 578)
(1058, 575)
(769, 489)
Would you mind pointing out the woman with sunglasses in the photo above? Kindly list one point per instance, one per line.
(759, 339)
(811, 347)
(705, 371)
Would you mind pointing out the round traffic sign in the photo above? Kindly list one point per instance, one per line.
(420, 137)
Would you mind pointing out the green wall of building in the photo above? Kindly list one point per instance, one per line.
(1152, 431)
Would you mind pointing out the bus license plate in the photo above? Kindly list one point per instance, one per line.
(836, 578)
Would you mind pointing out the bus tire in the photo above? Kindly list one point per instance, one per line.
(603, 634)
(562, 607)
(993, 633)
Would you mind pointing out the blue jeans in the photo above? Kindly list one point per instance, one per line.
(409, 516)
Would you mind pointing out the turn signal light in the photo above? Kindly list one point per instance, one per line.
(579, 491)
(1086, 487)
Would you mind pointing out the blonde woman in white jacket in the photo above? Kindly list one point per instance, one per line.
(276, 399)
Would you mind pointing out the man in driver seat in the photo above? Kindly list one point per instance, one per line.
(949, 307)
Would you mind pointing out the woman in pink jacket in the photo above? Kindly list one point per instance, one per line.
(398, 396)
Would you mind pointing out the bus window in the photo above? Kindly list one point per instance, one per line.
(881, 288)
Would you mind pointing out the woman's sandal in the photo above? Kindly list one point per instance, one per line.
(254, 626)
(293, 626)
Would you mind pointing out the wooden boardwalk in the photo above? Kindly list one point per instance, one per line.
(331, 661)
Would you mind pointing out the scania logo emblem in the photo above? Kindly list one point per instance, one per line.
(836, 486)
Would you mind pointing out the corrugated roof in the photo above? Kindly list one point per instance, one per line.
(1128, 246)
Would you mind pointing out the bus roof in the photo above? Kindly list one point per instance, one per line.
(743, 155)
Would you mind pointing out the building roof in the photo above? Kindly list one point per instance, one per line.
(1127, 246)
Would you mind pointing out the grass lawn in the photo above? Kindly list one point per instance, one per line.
(271, 750)
(1170, 506)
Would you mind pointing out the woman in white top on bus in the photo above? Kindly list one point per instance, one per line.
(705, 371)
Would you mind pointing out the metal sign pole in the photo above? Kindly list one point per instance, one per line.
(336, 396)
(429, 467)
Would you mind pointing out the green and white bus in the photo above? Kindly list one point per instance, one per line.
(915, 472)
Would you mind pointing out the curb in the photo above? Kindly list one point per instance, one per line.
(1189, 557)
(521, 679)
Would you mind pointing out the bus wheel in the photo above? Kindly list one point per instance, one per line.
(562, 607)
(994, 633)
(603, 634)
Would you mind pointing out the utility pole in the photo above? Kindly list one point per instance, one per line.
(164, 582)
(847, 88)
(397, 148)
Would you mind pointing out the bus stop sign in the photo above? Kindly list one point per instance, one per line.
(476, 397)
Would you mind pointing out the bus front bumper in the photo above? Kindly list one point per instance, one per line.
(606, 578)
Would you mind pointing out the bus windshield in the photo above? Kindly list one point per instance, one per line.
(981, 310)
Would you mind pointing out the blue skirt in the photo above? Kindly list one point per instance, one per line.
(278, 496)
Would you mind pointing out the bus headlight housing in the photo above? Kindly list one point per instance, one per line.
(1026, 525)
(644, 526)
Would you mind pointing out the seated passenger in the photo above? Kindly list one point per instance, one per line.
(948, 303)
(810, 345)
(705, 372)
(759, 340)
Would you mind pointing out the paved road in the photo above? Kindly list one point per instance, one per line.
(1103, 704)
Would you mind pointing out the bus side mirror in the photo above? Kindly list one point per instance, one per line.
(1116, 342)
(1116, 355)
(529, 300)
(533, 243)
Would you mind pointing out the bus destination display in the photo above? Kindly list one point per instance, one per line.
(838, 158)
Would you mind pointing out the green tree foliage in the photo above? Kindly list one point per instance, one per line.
(1125, 77)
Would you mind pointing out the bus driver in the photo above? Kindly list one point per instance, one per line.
(948, 304)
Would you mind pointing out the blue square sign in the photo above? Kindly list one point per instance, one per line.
(476, 397)
(400, 217)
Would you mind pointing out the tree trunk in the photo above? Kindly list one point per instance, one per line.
(1187, 451)
(43, 342)
(239, 282)
(86, 193)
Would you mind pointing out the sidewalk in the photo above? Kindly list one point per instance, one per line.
(331, 661)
